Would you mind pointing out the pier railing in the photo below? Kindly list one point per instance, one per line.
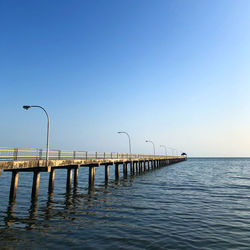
(21, 154)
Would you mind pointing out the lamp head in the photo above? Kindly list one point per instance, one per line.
(26, 107)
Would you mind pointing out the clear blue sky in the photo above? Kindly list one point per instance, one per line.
(175, 72)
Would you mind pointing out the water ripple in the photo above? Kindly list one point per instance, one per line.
(198, 204)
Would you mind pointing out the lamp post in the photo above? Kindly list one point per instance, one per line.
(163, 146)
(177, 152)
(48, 126)
(129, 141)
(152, 144)
(172, 150)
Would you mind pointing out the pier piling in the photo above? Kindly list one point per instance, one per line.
(117, 171)
(106, 173)
(13, 186)
(69, 179)
(35, 186)
(76, 173)
(51, 180)
(91, 175)
(125, 169)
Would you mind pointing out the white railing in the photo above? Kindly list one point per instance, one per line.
(20, 154)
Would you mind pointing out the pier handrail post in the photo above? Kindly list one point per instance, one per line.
(15, 154)
(48, 128)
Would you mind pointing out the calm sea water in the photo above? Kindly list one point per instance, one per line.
(197, 204)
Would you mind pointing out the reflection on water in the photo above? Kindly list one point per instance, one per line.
(201, 203)
(10, 219)
(71, 200)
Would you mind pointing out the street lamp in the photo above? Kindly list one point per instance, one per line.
(35, 106)
(129, 141)
(163, 146)
(177, 152)
(153, 145)
(172, 151)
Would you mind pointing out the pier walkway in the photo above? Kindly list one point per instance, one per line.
(33, 160)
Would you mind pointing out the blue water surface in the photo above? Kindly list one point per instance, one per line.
(196, 204)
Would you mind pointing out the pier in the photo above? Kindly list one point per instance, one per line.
(33, 160)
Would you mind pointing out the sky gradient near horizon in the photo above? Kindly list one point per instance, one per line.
(174, 72)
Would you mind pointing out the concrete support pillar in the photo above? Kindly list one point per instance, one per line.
(13, 186)
(51, 180)
(106, 173)
(36, 182)
(117, 174)
(76, 173)
(125, 169)
(144, 166)
(137, 167)
(131, 167)
(140, 166)
(91, 175)
(69, 179)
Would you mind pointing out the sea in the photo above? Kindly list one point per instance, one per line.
(202, 203)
